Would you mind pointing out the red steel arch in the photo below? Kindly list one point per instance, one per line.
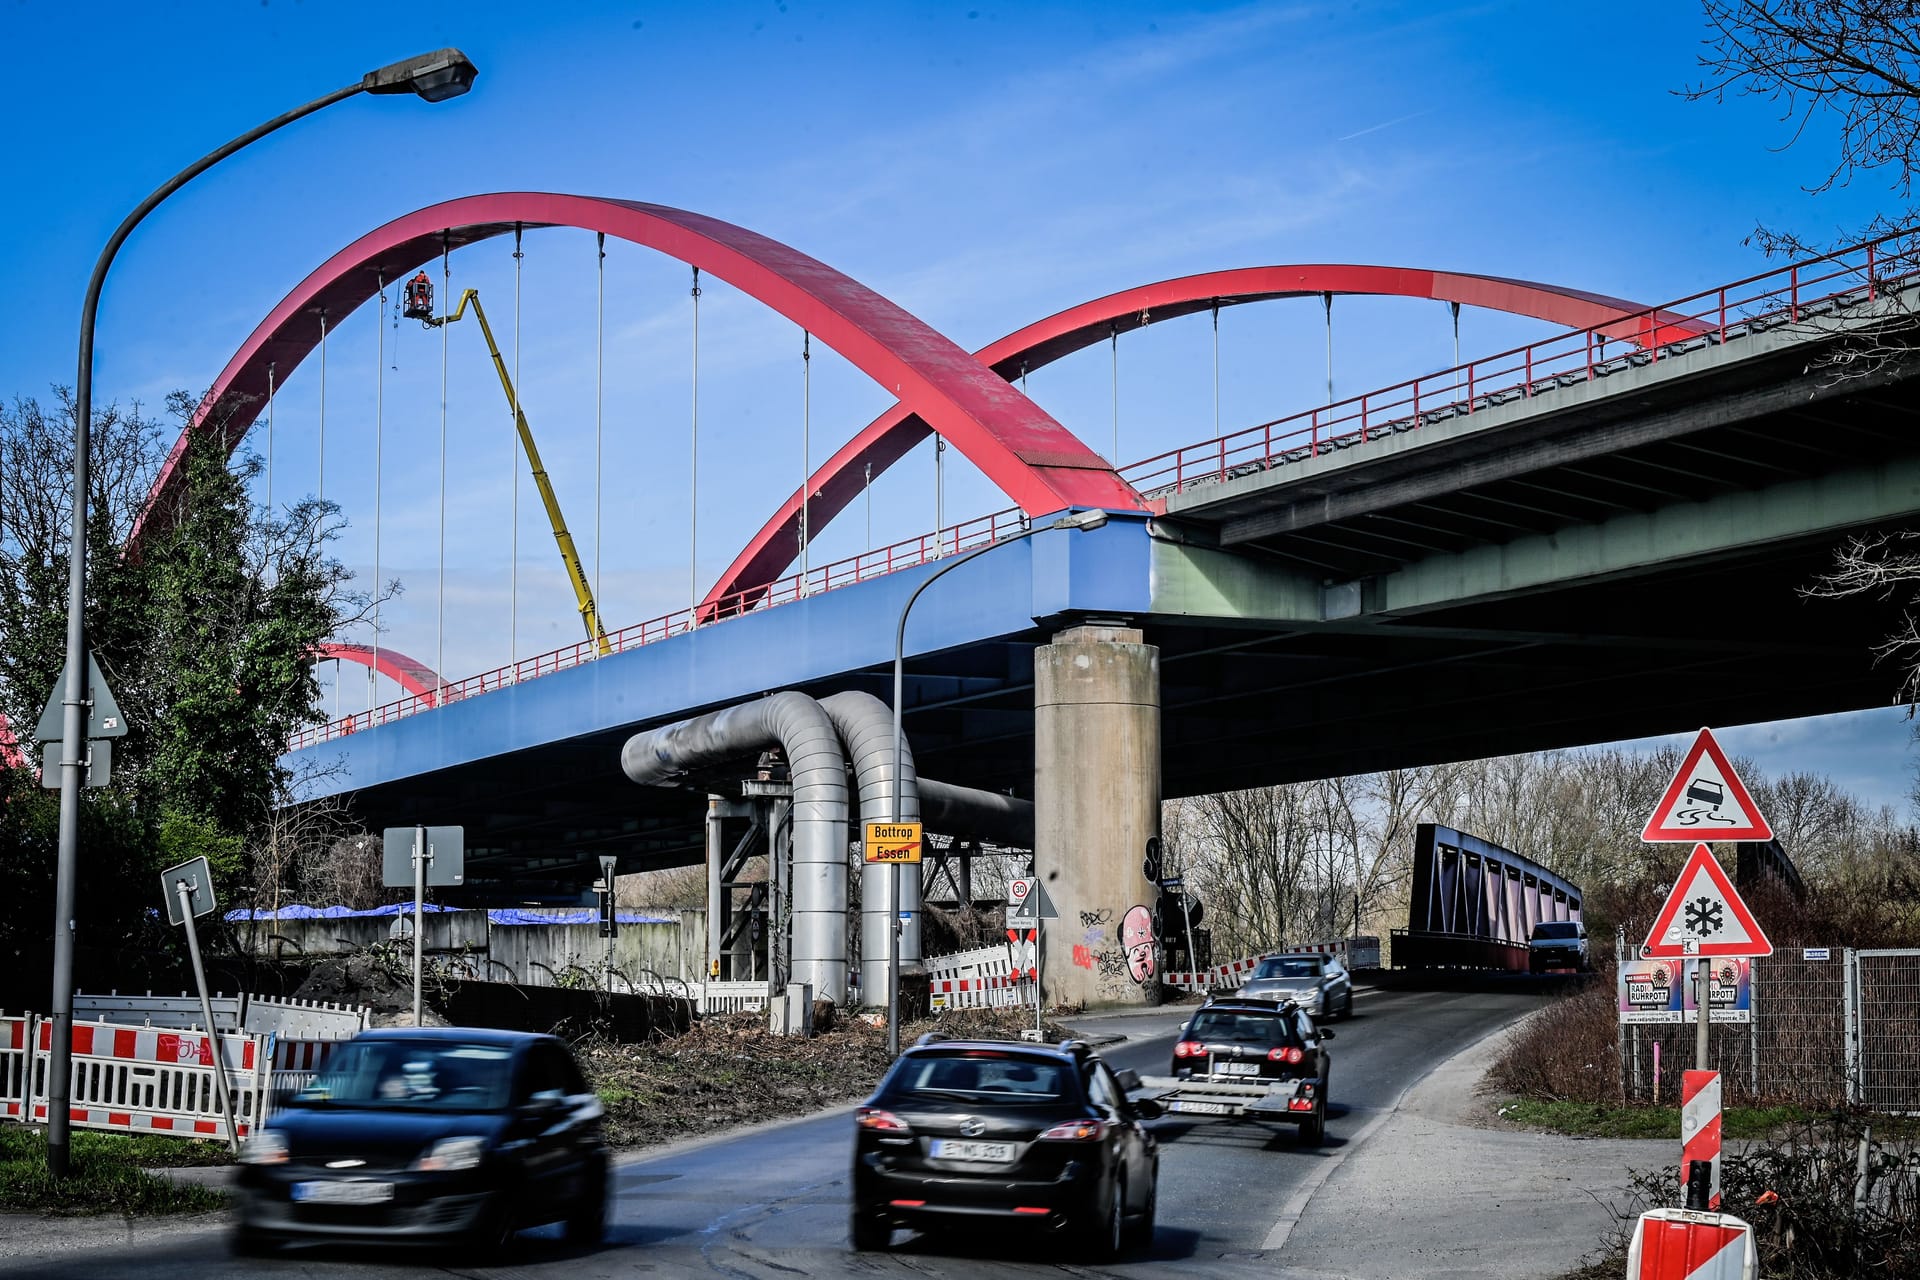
(1038, 463)
(411, 674)
(888, 438)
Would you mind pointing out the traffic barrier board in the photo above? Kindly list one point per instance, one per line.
(1706, 801)
(1704, 915)
(895, 842)
(1679, 1244)
(1700, 1128)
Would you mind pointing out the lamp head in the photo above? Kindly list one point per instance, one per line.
(1090, 519)
(436, 76)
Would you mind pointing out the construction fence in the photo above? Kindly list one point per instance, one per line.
(1829, 1027)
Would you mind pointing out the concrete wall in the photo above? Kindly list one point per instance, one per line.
(646, 955)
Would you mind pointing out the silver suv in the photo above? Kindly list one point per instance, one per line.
(1558, 944)
(1319, 984)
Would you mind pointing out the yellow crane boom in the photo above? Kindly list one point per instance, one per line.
(582, 592)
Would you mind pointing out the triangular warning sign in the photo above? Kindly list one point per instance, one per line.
(1704, 915)
(1706, 801)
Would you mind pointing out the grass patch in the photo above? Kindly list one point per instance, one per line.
(103, 1178)
(1601, 1120)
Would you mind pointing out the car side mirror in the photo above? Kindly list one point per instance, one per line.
(1326, 1033)
(544, 1103)
(1147, 1108)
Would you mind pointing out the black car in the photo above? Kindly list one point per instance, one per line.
(429, 1135)
(1244, 1058)
(965, 1133)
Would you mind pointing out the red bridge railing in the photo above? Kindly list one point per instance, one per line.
(1792, 294)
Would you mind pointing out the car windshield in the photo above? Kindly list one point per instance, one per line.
(1290, 967)
(986, 1076)
(413, 1075)
(1557, 929)
(1222, 1026)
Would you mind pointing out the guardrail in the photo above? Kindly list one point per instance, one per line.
(1790, 294)
(1787, 295)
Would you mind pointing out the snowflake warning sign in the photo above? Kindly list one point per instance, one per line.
(1706, 801)
(1704, 916)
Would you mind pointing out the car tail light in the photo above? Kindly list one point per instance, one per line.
(875, 1118)
(908, 1204)
(1289, 1055)
(1028, 1208)
(1189, 1049)
(1299, 1104)
(1076, 1131)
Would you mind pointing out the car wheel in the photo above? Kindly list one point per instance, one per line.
(1140, 1231)
(1348, 1012)
(245, 1242)
(489, 1235)
(1313, 1130)
(1106, 1235)
(869, 1234)
(587, 1222)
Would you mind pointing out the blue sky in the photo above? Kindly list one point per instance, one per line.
(981, 165)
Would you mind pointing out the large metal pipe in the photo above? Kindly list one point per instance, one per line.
(661, 757)
(865, 725)
(866, 729)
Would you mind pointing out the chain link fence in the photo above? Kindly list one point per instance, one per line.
(1825, 1033)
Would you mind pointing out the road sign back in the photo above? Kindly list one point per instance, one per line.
(1705, 916)
(1706, 801)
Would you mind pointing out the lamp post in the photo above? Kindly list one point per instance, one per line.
(1092, 519)
(436, 76)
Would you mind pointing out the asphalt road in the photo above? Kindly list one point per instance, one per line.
(772, 1203)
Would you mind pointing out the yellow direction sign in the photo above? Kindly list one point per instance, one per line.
(893, 842)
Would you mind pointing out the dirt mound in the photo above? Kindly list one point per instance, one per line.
(372, 981)
(728, 1071)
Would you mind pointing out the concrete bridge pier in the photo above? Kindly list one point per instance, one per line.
(1096, 759)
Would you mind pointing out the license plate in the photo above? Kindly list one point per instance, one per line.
(981, 1152)
(1237, 1068)
(1203, 1108)
(343, 1192)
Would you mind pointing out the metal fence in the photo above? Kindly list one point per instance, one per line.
(1843, 1030)
(1883, 1029)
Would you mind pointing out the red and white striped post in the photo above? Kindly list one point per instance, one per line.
(1700, 1130)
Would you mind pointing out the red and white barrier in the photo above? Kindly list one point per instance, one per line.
(1678, 1244)
(151, 1080)
(1700, 1127)
(979, 979)
(16, 1035)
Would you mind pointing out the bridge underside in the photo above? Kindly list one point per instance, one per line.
(1593, 564)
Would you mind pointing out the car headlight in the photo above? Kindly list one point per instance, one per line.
(449, 1155)
(264, 1147)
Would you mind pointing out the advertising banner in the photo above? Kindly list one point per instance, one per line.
(1662, 990)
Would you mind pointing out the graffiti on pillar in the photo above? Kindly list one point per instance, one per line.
(1094, 919)
(1136, 939)
(1083, 956)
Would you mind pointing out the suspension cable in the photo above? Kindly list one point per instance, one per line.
(1456, 346)
(1113, 340)
(806, 444)
(513, 443)
(599, 380)
(379, 405)
(693, 471)
(1216, 368)
(320, 490)
(868, 487)
(440, 590)
(1326, 300)
(269, 439)
(939, 491)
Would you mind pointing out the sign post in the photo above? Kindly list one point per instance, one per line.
(609, 910)
(420, 856)
(1028, 907)
(894, 843)
(188, 892)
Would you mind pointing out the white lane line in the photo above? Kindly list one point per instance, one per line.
(1296, 1207)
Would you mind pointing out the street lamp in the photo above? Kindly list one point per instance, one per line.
(436, 76)
(1092, 519)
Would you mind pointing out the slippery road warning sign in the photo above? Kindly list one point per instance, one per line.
(1704, 916)
(1706, 801)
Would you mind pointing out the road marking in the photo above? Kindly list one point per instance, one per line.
(1296, 1208)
